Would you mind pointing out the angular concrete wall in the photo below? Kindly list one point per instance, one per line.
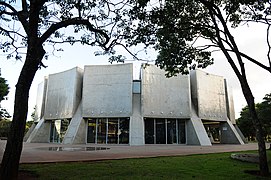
(229, 103)
(164, 97)
(229, 134)
(30, 130)
(40, 100)
(63, 94)
(76, 132)
(107, 91)
(196, 133)
(41, 132)
(208, 95)
(240, 133)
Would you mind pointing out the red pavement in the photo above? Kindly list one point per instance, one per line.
(39, 152)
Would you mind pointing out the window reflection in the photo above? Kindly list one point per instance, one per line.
(58, 130)
(164, 131)
(109, 131)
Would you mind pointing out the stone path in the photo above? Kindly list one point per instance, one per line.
(41, 153)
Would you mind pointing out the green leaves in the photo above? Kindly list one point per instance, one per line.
(264, 114)
(4, 89)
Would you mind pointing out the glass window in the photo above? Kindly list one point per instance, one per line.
(181, 132)
(124, 124)
(149, 131)
(101, 131)
(164, 131)
(55, 131)
(91, 131)
(63, 128)
(160, 131)
(112, 131)
(171, 131)
(108, 130)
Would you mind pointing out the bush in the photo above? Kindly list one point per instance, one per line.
(4, 128)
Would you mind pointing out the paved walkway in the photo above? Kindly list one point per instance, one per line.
(40, 153)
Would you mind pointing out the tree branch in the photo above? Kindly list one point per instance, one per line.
(269, 46)
(15, 12)
(74, 21)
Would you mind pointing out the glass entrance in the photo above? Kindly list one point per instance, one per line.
(108, 130)
(58, 130)
(164, 131)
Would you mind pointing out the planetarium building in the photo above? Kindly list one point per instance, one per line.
(102, 104)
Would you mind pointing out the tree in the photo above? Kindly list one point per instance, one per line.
(185, 33)
(4, 128)
(263, 110)
(245, 124)
(28, 28)
(4, 90)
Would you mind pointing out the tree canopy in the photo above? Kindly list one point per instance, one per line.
(4, 90)
(264, 113)
(185, 33)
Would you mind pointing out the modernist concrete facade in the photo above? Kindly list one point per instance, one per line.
(104, 105)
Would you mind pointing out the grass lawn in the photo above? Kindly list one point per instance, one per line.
(207, 166)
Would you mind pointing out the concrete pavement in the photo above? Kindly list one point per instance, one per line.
(44, 153)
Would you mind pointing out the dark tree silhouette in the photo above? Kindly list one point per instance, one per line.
(28, 26)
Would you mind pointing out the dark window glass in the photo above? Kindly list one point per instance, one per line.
(124, 130)
(181, 132)
(171, 131)
(149, 131)
(160, 131)
(91, 131)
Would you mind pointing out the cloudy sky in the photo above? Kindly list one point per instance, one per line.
(251, 40)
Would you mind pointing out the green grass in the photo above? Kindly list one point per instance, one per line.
(207, 166)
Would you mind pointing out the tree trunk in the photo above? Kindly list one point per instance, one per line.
(10, 162)
(264, 170)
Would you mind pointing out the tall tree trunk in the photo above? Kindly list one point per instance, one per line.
(264, 170)
(10, 162)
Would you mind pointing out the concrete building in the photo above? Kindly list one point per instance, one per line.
(104, 105)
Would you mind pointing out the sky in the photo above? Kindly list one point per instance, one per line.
(251, 40)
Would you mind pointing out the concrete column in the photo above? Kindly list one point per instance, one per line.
(136, 123)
